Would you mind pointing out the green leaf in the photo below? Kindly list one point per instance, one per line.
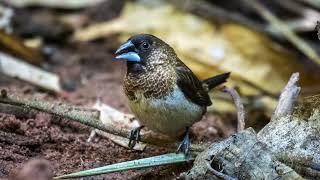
(171, 158)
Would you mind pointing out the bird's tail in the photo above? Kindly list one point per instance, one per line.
(216, 80)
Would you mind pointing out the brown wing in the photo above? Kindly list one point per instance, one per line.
(191, 86)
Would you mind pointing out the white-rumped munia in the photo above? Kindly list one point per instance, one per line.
(163, 92)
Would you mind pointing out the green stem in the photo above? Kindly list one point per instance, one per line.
(165, 159)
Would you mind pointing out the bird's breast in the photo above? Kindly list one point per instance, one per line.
(170, 114)
(155, 83)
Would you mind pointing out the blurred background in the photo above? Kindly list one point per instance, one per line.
(63, 50)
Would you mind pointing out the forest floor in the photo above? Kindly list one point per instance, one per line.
(89, 71)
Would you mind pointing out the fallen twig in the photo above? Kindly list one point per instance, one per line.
(240, 109)
(16, 68)
(17, 111)
(287, 98)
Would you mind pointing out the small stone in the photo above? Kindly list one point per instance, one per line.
(3, 93)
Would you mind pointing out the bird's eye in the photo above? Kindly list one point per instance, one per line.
(145, 46)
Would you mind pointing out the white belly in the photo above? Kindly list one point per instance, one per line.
(169, 115)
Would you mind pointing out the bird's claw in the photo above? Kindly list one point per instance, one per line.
(184, 145)
(134, 136)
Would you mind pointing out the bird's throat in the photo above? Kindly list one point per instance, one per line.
(135, 67)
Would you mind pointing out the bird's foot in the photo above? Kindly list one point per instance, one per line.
(184, 145)
(134, 136)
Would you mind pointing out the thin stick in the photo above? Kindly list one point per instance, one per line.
(288, 97)
(17, 68)
(240, 109)
(286, 31)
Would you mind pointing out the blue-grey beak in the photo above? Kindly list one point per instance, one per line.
(127, 51)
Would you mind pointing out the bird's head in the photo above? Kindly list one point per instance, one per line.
(144, 51)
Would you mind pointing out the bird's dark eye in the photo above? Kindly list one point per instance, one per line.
(145, 46)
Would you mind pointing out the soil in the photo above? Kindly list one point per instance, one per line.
(88, 72)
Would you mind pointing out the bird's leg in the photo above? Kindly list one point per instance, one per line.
(184, 145)
(134, 136)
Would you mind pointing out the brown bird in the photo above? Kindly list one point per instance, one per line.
(163, 92)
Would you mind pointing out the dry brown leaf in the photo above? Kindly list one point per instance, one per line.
(16, 46)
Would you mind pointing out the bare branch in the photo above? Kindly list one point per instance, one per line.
(288, 97)
(240, 109)
(17, 68)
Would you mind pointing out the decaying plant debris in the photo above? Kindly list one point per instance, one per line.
(286, 148)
